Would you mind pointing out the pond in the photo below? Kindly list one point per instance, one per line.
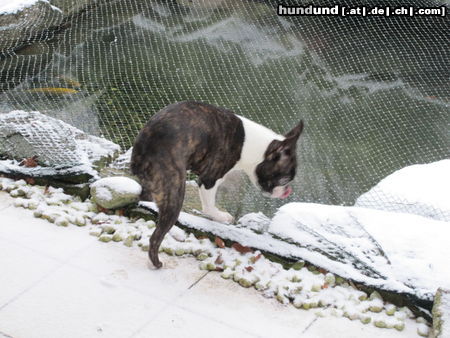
(373, 92)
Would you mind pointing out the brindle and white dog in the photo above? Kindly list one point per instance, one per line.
(211, 142)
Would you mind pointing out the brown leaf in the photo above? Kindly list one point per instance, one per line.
(249, 268)
(202, 237)
(30, 180)
(101, 209)
(121, 212)
(219, 268)
(240, 248)
(219, 260)
(254, 259)
(46, 190)
(321, 270)
(325, 286)
(219, 242)
(29, 162)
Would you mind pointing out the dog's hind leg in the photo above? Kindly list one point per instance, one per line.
(168, 195)
(146, 193)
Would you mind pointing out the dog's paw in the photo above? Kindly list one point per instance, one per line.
(223, 217)
(220, 216)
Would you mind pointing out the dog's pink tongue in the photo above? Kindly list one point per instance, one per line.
(286, 193)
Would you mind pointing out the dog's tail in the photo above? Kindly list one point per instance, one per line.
(168, 194)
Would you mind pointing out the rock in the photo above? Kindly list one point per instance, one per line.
(298, 265)
(168, 251)
(316, 287)
(117, 237)
(390, 309)
(245, 282)
(180, 252)
(423, 330)
(61, 150)
(441, 314)
(115, 192)
(330, 279)
(258, 222)
(109, 229)
(365, 319)
(202, 256)
(375, 308)
(95, 232)
(105, 238)
(61, 221)
(375, 295)
(399, 326)
(380, 323)
(128, 241)
(227, 273)
(18, 26)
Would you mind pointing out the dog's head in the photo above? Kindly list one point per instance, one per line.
(279, 165)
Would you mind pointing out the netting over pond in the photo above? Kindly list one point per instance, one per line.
(373, 91)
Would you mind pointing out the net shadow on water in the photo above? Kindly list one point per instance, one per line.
(374, 92)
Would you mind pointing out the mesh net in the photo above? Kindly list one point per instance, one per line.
(373, 91)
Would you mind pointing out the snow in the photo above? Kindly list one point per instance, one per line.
(383, 249)
(70, 150)
(284, 247)
(123, 160)
(388, 250)
(119, 184)
(304, 288)
(422, 189)
(14, 6)
(366, 234)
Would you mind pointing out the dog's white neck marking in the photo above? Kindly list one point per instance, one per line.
(257, 139)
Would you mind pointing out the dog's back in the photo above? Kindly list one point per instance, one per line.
(186, 135)
(206, 139)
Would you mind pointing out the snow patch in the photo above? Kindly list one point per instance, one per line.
(421, 189)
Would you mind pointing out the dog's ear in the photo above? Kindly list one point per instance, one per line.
(293, 135)
(282, 149)
(295, 132)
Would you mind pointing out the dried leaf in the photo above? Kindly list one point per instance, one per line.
(254, 259)
(240, 248)
(46, 190)
(219, 268)
(249, 268)
(30, 180)
(219, 260)
(325, 286)
(101, 209)
(29, 162)
(121, 212)
(219, 242)
(321, 270)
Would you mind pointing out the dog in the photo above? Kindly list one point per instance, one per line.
(211, 142)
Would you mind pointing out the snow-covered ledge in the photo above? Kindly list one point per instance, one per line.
(421, 189)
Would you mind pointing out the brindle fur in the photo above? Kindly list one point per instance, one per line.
(183, 136)
(280, 161)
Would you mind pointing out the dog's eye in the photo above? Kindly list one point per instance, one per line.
(275, 157)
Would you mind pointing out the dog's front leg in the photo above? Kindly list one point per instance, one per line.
(208, 199)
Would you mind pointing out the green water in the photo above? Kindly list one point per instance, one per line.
(374, 93)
